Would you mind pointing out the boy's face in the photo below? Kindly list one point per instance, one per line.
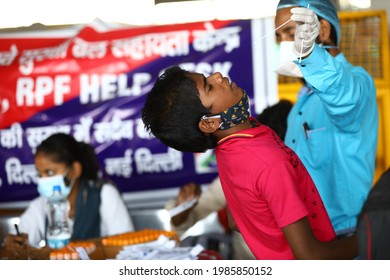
(216, 92)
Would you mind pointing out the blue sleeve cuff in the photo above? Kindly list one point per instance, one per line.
(315, 61)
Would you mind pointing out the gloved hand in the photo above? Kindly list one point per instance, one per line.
(306, 32)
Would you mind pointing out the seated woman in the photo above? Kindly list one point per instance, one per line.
(96, 206)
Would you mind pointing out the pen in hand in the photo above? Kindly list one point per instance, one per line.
(20, 239)
(17, 229)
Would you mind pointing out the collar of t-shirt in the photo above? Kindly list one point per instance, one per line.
(246, 133)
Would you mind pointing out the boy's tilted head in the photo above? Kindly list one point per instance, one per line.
(172, 112)
(190, 112)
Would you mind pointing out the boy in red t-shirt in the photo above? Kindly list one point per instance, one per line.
(271, 196)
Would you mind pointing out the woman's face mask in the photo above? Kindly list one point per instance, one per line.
(234, 115)
(46, 184)
(286, 56)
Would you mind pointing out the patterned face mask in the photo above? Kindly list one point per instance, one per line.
(234, 115)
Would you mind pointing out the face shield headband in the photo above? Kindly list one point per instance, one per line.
(234, 115)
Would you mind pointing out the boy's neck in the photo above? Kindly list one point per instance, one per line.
(223, 133)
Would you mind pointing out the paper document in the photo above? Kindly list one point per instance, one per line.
(182, 207)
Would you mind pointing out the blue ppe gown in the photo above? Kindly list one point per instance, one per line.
(333, 127)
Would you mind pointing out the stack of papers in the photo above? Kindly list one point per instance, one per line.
(161, 249)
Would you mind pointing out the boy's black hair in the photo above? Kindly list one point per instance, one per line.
(172, 112)
(64, 148)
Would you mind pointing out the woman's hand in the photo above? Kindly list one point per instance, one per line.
(16, 242)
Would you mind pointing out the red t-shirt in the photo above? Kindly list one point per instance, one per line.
(267, 188)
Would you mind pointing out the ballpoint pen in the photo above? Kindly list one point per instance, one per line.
(306, 129)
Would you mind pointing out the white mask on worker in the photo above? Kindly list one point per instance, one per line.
(286, 66)
(46, 185)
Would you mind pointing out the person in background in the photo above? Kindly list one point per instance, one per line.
(213, 200)
(275, 117)
(209, 201)
(271, 198)
(96, 206)
(333, 126)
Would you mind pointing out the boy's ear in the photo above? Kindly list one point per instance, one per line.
(209, 125)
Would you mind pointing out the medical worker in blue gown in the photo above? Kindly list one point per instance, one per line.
(333, 127)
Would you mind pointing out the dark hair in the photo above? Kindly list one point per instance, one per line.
(63, 148)
(275, 117)
(172, 112)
